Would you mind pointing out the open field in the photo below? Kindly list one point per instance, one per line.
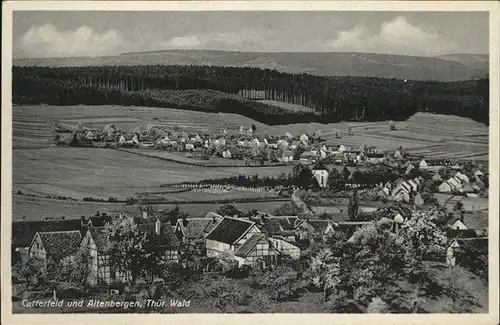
(112, 173)
(469, 203)
(288, 106)
(201, 209)
(36, 208)
(187, 158)
(208, 196)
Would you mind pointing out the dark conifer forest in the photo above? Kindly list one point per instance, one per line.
(235, 90)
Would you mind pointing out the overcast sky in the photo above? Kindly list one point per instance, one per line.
(56, 34)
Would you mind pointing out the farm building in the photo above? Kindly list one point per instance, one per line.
(226, 154)
(55, 245)
(257, 251)
(228, 235)
(192, 229)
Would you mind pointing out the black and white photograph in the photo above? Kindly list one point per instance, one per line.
(250, 162)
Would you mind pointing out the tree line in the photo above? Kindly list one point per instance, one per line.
(228, 89)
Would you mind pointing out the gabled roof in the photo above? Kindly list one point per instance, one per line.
(60, 244)
(229, 230)
(166, 239)
(196, 228)
(319, 225)
(476, 221)
(100, 221)
(248, 245)
(101, 238)
(24, 231)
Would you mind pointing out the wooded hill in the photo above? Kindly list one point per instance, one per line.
(223, 89)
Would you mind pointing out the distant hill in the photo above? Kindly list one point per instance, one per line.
(451, 67)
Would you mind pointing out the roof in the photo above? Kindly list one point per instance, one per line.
(248, 245)
(60, 244)
(100, 221)
(213, 215)
(101, 239)
(229, 230)
(319, 225)
(166, 238)
(193, 228)
(24, 231)
(476, 221)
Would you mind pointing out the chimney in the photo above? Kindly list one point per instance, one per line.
(158, 227)
(214, 220)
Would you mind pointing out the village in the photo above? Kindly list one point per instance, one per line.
(136, 257)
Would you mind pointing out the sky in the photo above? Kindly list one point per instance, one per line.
(44, 34)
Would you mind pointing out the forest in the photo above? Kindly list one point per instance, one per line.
(235, 90)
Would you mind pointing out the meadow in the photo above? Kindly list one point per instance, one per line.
(112, 173)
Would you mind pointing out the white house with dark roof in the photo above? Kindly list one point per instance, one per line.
(257, 251)
(228, 235)
(54, 245)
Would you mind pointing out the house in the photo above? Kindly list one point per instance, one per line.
(404, 189)
(294, 145)
(429, 165)
(193, 229)
(398, 155)
(96, 243)
(55, 245)
(257, 251)
(318, 227)
(452, 185)
(228, 235)
(164, 238)
(286, 248)
(255, 143)
(287, 156)
(273, 143)
(226, 154)
(222, 141)
(456, 224)
(409, 169)
(478, 173)
(189, 145)
(89, 135)
(375, 158)
(321, 175)
(307, 156)
(304, 138)
(128, 139)
(272, 227)
(462, 177)
(436, 177)
(173, 140)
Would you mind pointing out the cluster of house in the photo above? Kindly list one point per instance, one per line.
(235, 146)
